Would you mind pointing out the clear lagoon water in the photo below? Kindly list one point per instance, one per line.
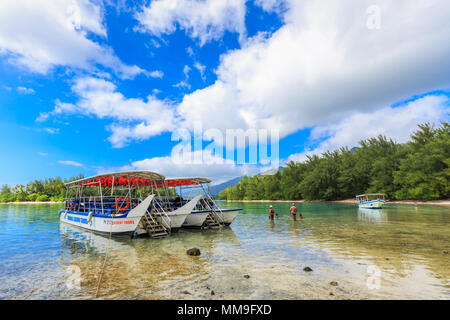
(399, 252)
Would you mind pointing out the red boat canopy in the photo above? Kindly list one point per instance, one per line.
(180, 182)
(128, 178)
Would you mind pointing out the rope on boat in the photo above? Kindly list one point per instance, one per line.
(104, 263)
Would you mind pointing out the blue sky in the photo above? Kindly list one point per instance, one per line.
(90, 86)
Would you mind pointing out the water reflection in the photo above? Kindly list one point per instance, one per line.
(139, 268)
(372, 215)
(338, 241)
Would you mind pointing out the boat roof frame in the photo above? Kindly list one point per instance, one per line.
(371, 194)
(198, 180)
(144, 174)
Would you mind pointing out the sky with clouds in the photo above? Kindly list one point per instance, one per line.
(89, 86)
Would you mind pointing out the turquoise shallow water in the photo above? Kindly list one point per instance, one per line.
(395, 253)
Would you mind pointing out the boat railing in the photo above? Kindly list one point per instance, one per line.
(366, 197)
(214, 208)
(160, 210)
(102, 205)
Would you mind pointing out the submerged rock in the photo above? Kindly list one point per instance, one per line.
(307, 269)
(193, 252)
(334, 283)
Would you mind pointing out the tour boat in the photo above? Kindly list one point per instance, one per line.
(122, 203)
(206, 213)
(371, 200)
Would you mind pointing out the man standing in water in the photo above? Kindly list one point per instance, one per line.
(271, 213)
(293, 211)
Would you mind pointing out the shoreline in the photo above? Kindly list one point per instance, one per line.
(445, 202)
(32, 202)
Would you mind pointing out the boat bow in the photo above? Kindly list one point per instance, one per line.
(140, 210)
(188, 207)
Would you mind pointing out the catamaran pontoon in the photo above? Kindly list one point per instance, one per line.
(371, 200)
(122, 203)
(206, 213)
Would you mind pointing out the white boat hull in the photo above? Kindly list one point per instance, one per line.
(228, 216)
(177, 217)
(375, 204)
(195, 219)
(102, 223)
(175, 220)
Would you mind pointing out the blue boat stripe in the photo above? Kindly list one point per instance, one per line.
(97, 215)
(372, 201)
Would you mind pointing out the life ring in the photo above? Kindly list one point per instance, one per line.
(118, 207)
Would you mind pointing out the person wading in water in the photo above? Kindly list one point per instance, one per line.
(271, 213)
(293, 211)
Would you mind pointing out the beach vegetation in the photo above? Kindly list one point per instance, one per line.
(416, 170)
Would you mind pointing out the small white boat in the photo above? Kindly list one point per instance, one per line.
(371, 200)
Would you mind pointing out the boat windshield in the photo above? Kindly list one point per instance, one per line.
(370, 197)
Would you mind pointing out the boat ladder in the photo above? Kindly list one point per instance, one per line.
(154, 228)
(211, 222)
(213, 219)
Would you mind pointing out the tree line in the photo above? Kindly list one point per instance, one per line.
(51, 189)
(416, 170)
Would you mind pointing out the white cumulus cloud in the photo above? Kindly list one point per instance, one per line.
(42, 34)
(204, 20)
(324, 64)
(397, 123)
(70, 163)
(24, 90)
(210, 166)
(134, 118)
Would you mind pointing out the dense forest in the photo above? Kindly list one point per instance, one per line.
(416, 170)
(52, 189)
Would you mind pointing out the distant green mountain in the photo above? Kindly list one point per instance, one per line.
(215, 190)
